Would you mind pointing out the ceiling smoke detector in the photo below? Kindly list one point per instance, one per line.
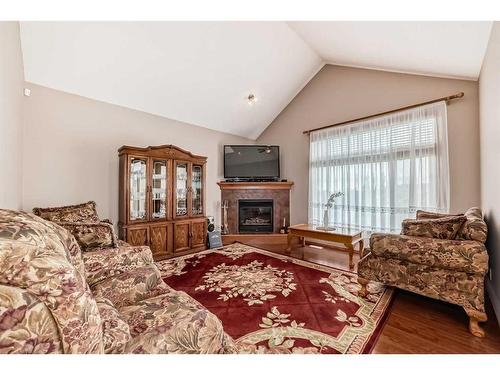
(251, 99)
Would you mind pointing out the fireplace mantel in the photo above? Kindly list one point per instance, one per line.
(279, 192)
(254, 185)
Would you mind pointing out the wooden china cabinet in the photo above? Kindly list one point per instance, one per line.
(162, 199)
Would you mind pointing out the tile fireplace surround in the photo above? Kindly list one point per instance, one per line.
(278, 192)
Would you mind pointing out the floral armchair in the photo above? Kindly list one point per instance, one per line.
(61, 293)
(438, 256)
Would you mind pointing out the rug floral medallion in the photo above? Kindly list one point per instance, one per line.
(271, 303)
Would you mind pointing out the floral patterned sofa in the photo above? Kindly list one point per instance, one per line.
(64, 293)
(439, 256)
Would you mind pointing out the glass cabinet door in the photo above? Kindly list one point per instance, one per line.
(159, 189)
(181, 189)
(138, 189)
(197, 190)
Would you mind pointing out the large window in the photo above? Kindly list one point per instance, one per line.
(387, 167)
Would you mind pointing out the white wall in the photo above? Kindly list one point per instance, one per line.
(489, 109)
(11, 86)
(71, 149)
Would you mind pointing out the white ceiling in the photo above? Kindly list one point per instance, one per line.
(196, 72)
(202, 72)
(449, 49)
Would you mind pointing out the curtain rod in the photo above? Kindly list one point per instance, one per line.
(445, 98)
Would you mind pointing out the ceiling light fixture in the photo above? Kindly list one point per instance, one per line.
(252, 99)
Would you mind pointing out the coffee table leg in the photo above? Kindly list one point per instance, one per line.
(288, 250)
(361, 248)
(350, 247)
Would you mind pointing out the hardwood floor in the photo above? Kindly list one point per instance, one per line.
(415, 324)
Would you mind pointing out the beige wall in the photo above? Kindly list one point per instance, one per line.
(489, 94)
(340, 93)
(71, 143)
(11, 88)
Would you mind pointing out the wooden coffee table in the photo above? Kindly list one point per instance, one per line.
(348, 237)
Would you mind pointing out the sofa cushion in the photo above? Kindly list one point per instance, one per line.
(443, 228)
(26, 324)
(116, 332)
(466, 256)
(474, 228)
(35, 257)
(92, 235)
(174, 323)
(104, 263)
(454, 286)
(84, 212)
(131, 287)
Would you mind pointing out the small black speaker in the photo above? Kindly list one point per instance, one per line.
(210, 224)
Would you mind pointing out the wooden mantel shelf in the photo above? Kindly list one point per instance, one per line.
(255, 185)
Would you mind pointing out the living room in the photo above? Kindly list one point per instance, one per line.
(249, 186)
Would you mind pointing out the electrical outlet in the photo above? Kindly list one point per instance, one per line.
(27, 92)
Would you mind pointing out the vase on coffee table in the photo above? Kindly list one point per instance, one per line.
(326, 221)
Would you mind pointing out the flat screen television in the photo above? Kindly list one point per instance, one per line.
(251, 162)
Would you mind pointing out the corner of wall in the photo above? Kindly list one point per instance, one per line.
(11, 115)
(495, 300)
(21, 125)
(489, 95)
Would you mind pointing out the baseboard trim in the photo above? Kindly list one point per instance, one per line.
(495, 301)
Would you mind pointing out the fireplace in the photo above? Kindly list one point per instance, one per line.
(232, 193)
(255, 215)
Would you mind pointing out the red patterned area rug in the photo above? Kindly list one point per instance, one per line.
(271, 303)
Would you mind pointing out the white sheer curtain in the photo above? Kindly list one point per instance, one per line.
(387, 167)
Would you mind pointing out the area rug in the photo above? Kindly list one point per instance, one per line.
(271, 303)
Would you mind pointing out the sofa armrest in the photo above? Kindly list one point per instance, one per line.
(103, 263)
(90, 235)
(462, 255)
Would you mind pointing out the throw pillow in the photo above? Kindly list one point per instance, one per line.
(421, 214)
(475, 228)
(442, 228)
(84, 212)
(92, 235)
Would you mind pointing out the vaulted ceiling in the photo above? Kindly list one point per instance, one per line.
(448, 49)
(203, 72)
